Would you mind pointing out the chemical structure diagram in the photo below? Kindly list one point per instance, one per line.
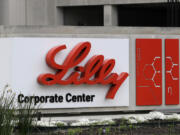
(153, 71)
(171, 68)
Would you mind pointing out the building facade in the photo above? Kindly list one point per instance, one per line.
(90, 12)
(151, 23)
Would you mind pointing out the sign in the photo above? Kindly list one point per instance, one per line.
(149, 72)
(96, 68)
(90, 72)
(172, 71)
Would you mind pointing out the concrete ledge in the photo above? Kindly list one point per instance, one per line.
(103, 2)
(75, 31)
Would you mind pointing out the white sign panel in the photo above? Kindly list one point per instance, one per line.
(28, 62)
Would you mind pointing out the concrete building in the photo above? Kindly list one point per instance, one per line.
(129, 19)
(89, 12)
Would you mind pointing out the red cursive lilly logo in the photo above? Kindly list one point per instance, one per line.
(96, 68)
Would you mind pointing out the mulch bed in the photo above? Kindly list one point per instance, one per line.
(154, 127)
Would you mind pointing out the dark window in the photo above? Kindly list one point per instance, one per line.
(83, 16)
(160, 15)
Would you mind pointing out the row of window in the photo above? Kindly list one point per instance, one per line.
(161, 15)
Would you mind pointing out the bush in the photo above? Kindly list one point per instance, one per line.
(75, 131)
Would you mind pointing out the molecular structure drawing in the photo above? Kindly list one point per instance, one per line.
(171, 68)
(152, 71)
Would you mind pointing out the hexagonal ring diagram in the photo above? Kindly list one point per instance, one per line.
(172, 68)
(152, 70)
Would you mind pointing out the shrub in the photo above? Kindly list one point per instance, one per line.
(75, 131)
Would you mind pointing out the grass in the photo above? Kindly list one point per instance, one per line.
(100, 131)
(26, 120)
(10, 116)
(108, 130)
(7, 110)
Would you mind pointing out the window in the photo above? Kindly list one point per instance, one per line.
(83, 16)
(142, 15)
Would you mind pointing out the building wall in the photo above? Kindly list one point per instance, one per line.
(4, 12)
(34, 16)
(27, 12)
(1, 12)
(17, 12)
(50, 12)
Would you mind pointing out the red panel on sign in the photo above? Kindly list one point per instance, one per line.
(148, 72)
(172, 71)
